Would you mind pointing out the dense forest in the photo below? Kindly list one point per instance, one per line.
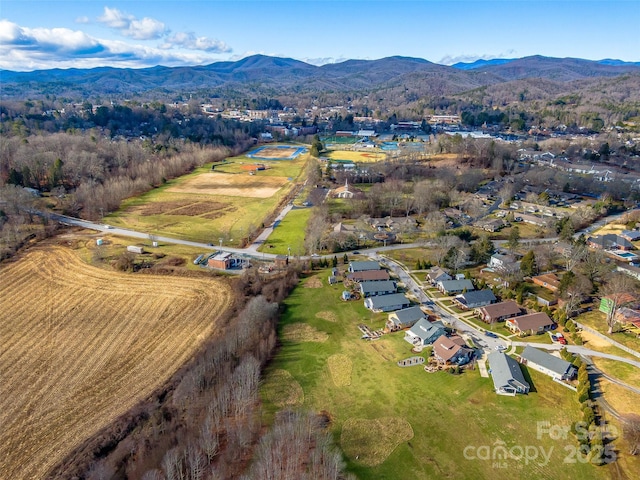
(86, 162)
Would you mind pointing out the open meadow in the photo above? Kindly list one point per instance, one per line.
(288, 234)
(82, 345)
(396, 423)
(227, 200)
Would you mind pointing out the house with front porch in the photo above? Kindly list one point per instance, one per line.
(474, 299)
(372, 289)
(449, 287)
(424, 333)
(405, 318)
(506, 375)
(363, 266)
(437, 274)
(531, 324)
(555, 367)
(387, 303)
(452, 350)
(499, 312)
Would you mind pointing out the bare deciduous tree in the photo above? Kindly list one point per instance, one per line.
(619, 290)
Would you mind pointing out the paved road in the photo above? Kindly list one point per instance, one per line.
(579, 350)
(478, 336)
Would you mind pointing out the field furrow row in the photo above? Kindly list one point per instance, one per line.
(82, 345)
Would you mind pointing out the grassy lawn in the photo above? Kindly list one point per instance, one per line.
(203, 215)
(288, 233)
(410, 256)
(396, 423)
(596, 320)
(620, 370)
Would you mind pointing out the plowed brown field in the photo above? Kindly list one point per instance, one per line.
(80, 345)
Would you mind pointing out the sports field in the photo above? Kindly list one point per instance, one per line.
(276, 152)
(82, 345)
(229, 185)
(357, 156)
(227, 202)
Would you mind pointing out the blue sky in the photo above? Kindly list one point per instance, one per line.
(140, 33)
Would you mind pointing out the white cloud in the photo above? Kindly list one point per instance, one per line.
(23, 48)
(469, 58)
(83, 20)
(190, 41)
(323, 60)
(129, 26)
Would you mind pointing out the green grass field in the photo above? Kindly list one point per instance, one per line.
(206, 217)
(446, 413)
(289, 233)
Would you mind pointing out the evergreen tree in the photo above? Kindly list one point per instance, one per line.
(528, 264)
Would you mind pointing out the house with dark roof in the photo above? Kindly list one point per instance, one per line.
(452, 350)
(550, 365)
(506, 375)
(449, 287)
(631, 235)
(499, 312)
(364, 266)
(387, 303)
(474, 299)
(369, 276)
(533, 323)
(372, 289)
(610, 241)
(424, 333)
(405, 318)
(437, 274)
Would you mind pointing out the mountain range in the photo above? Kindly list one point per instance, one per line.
(260, 74)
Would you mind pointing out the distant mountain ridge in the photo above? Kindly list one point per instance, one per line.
(480, 63)
(261, 74)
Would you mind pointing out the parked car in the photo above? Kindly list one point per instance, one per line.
(500, 348)
(491, 334)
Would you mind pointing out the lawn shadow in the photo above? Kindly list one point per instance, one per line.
(527, 377)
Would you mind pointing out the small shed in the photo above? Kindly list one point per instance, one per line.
(135, 249)
(99, 242)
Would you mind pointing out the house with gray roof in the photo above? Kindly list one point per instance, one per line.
(363, 266)
(506, 375)
(631, 235)
(475, 299)
(555, 367)
(437, 274)
(610, 241)
(449, 287)
(405, 318)
(386, 303)
(372, 289)
(424, 333)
